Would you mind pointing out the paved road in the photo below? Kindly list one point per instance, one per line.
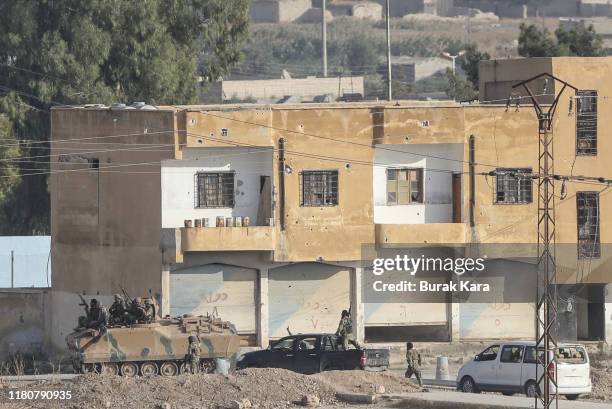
(493, 401)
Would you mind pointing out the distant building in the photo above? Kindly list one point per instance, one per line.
(413, 69)
(399, 8)
(595, 8)
(310, 89)
(361, 9)
(278, 11)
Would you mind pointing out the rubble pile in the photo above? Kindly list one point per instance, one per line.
(367, 382)
(250, 388)
(602, 384)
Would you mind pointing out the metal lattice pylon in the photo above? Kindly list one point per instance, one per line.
(546, 299)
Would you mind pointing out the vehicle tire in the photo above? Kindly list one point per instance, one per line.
(110, 368)
(148, 369)
(508, 393)
(168, 369)
(532, 390)
(468, 385)
(129, 369)
(572, 397)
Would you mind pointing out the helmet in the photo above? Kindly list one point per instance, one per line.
(409, 345)
(94, 303)
(138, 300)
(117, 297)
(345, 313)
(192, 338)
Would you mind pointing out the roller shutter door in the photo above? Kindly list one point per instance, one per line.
(307, 298)
(227, 291)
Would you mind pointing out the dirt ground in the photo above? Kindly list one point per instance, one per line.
(263, 388)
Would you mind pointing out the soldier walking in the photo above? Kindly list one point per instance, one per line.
(413, 358)
(193, 354)
(345, 331)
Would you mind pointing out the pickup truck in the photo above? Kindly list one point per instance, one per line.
(312, 353)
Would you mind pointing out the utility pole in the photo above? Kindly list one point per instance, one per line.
(389, 91)
(12, 268)
(546, 300)
(324, 35)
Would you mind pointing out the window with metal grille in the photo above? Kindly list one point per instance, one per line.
(404, 186)
(513, 186)
(586, 122)
(214, 189)
(319, 188)
(587, 209)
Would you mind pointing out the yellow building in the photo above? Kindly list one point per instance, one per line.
(142, 199)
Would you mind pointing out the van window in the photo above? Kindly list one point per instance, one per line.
(489, 354)
(512, 354)
(571, 355)
(530, 356)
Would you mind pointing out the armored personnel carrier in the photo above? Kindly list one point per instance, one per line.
(159, 347)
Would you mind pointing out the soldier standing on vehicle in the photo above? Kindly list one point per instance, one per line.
(193, 354)
(149, 311)
(138, 312)
(98, 316)
(345, 331)
(413, 358)
(118, 311)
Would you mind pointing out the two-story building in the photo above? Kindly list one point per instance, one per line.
(266, 215)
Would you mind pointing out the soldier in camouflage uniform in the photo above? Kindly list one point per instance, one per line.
(345, 331)
(138, 312)
(413, 358)
(97, 317)
(193, 354)
(118, 311)
(149, 311)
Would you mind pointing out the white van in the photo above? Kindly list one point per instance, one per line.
(510, 367)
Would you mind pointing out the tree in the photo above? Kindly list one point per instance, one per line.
(536, 42)
(580, 40)
(72, 52)
(458, 88)
(470, 61)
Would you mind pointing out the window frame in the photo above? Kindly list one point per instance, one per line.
(222, 205)
(586, 122)
(518, 201)
(596, 251)
(520, 359)
(420, 180)
(335, 195)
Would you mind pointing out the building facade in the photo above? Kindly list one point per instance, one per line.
(265, 215)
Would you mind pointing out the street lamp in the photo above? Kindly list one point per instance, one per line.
(448, 56)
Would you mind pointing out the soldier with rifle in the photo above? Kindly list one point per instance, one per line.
(345, 330)
(193, 354)
(118, 311)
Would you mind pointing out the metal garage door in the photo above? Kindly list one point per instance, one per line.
(227, 291)
(307, 297)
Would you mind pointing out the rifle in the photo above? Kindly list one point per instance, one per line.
(84, 304)
(125, 294)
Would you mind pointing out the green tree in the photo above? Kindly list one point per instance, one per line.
(459, 88)
(580, 40)
(470, 61)
(536, 42)
(72, 52)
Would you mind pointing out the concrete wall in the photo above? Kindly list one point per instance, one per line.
(437, 182)
(277, 11)
(105, 221)
(178, 183)
(24, 318)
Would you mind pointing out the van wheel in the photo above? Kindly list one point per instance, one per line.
(532, 389)
(468, 385)
(508, 393)
(572, 397)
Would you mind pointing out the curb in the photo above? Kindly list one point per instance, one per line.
(351, 397)
(428, 404)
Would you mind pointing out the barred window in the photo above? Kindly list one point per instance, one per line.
(513, 186)
(319, 188)
(214, 189)
(586, 122)
(404, 186)
(587, 209)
